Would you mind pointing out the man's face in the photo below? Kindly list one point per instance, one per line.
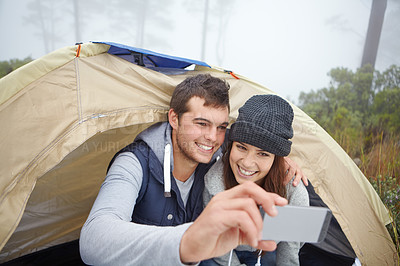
(200, 131)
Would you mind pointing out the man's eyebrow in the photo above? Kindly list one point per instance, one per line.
(208, 121)
(201, 119)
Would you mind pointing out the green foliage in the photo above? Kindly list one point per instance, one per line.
(363, 102)
(386, 109)
(7, 67)
(361, 111)
(389, 191)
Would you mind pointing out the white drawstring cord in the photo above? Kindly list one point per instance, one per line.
(259, 258)
(167, 171)
(230, 258)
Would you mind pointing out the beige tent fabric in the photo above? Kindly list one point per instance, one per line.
(64, 117)
(42, 66)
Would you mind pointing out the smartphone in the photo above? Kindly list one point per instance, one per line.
(298, 224)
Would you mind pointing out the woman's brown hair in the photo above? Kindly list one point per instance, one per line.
(272, 182)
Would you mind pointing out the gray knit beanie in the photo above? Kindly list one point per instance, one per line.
(265, 121)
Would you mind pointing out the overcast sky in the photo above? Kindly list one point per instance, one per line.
(287, 45)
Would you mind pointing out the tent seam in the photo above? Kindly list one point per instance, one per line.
(78, 90)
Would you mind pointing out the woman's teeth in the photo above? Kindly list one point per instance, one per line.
(245, 172)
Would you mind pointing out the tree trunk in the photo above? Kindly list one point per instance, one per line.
(377, 15)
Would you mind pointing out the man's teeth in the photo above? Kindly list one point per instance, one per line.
(204, 147)
(244, 172)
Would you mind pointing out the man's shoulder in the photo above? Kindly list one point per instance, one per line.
(156, 137)
(156, 130)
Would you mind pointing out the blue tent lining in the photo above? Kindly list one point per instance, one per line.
(149, 58)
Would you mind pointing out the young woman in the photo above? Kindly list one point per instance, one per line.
(258, 141)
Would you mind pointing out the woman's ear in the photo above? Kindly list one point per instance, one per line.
(173, 118)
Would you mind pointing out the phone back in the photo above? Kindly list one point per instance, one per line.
(296, 223)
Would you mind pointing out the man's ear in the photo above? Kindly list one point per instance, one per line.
(173, 118)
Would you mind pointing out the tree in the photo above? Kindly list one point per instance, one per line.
(389, 44)
(351, 109)
(137, 17)
(377, 15)
(216, 15)
(43, 14)
(7, 67)
(386, 105)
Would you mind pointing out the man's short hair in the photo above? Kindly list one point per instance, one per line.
(214, 91)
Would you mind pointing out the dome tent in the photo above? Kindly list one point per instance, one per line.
(65, 115)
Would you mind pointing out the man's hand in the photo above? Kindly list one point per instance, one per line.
(294, 170)
(231, 218)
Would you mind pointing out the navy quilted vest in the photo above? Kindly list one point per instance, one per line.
(152, 207)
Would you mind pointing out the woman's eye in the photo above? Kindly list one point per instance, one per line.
(263, 154)
(240, 147)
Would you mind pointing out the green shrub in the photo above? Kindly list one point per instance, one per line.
(7, 67)
(388, 189)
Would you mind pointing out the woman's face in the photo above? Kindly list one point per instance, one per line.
(249, 162)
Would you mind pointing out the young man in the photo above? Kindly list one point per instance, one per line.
(153, 190)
